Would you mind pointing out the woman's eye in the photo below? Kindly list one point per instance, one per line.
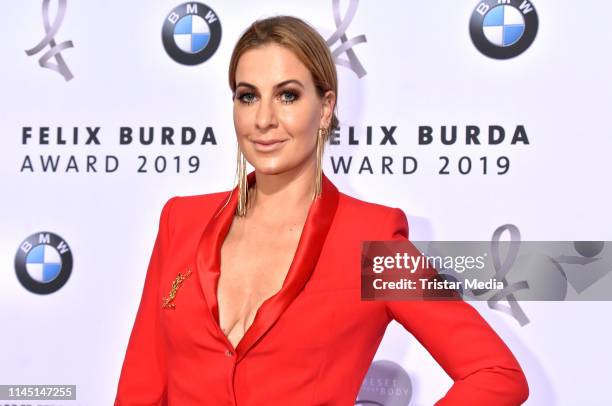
(288, 97)
(247, 98)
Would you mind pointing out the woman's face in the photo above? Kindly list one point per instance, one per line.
(277, 110)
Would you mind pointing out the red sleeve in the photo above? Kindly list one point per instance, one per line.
(482, 367)
(143, 375)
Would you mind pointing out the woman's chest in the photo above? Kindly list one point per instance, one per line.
(254, 268)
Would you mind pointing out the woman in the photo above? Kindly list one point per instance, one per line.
(252, 297)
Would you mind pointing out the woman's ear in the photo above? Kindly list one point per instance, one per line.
(329, 101)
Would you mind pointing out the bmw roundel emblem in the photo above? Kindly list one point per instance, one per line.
(43, 262)
(503, 29)
(191, 33)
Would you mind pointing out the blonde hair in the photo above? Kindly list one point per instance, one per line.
(311, 49)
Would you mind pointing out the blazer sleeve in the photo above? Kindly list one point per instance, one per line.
(143, 375)
(484, 370)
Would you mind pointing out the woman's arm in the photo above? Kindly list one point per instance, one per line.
(482, 367)
(143, 375)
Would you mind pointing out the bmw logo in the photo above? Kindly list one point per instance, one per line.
(503, 29)
(191, 33)
(43, 262)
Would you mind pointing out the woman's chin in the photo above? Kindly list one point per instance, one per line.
(269, 168)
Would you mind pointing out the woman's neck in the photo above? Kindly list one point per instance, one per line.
(283, 195)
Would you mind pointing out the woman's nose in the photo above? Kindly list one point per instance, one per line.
(266, 114)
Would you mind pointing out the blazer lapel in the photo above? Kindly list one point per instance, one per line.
(208, 260)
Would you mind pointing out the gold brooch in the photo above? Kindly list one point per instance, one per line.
(178, 281)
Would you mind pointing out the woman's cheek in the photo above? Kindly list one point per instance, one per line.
(287, 118)
(300, 124)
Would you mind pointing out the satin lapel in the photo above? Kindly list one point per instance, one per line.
(208, 260)
(208, 254)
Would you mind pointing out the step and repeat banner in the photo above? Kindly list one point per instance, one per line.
(481, 120)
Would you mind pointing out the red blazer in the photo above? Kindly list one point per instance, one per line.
(313, 341)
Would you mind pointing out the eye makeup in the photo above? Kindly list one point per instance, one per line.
(286, 96)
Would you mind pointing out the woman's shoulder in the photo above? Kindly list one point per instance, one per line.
(190, 207)
(198, 202)
(387, 221)
(186, 216)
(355, 206)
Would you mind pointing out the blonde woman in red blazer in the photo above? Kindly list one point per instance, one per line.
(252, 296)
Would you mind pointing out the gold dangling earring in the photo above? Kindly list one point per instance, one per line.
(321, 133)
(243, 187)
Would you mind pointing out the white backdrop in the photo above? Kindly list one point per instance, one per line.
(422, 69)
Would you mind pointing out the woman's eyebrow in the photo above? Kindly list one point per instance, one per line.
(276, 86)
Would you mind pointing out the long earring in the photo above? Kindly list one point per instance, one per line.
(321, 134)
(243, 187)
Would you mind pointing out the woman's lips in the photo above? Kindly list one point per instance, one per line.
(268, 145)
